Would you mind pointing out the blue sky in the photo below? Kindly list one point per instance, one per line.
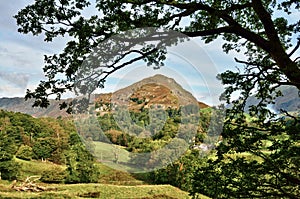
(21, 56)
(194, 65)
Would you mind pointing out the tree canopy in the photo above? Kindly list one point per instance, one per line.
(259, 29)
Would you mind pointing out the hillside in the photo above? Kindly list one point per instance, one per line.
(289, 101)
(18, 104)
(157, 90)
(112, 184)
(45, 158)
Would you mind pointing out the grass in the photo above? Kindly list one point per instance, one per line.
(36, 168)
(106, 152)
(98, 191)
(112, 184)
(107, 174)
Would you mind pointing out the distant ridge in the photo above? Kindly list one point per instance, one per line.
(18, 104)
(157, 90)
(289, 101)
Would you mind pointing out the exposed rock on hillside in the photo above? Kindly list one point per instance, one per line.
(159, 91)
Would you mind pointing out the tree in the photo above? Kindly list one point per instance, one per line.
(257, 29)
(252, 28)
(179, 173)
(43, 148)
(245, 167)
(81, 166)
(56, 175)
(9, 169)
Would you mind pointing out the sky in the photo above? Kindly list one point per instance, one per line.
(194, 64)
(21, 56)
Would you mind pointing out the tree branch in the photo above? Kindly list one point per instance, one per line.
(296, 48)
(236, 28)
(127, 63)
(226, 29)
(238, 7)
(266, 20)
(254, 63)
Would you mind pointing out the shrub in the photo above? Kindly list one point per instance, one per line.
(24, 152)
(9, 170)
(56, 175)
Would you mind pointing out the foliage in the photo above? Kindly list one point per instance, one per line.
(53, 176)
(9, 169)
(46, 138)
(58, 157)
(250, 27)
(118, 137)
(255, 159)
(180, 173)
(81, 165)
(24, 152)
(160, 140)
(43, 148)
(260, 30)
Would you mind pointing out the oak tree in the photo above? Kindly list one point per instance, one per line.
(260, 30)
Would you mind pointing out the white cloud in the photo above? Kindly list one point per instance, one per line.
(21, 56)
(17, 79)
(8, 9)
(18, 58)
(7, 90)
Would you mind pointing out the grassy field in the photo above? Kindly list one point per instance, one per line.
(112, 184)
(35, 168)
(106, 152)
(107, 174)
(97, 191)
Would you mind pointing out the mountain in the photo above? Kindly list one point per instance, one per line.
(289, 101)
(157, 90)
(18, 104)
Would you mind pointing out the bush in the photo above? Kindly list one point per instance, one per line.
(9, 170)
(57, 175)
(24, 152)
